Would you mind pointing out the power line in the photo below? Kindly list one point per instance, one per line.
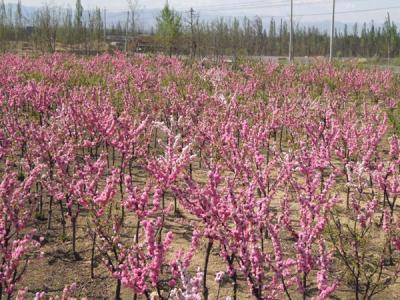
(336, 13)
(351, 11)
(224, 4)
(263, 4)
(256, 5)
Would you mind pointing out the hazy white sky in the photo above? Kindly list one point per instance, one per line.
(306, 10)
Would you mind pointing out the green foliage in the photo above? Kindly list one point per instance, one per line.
(169, 28)
(396, 61)
(39, 216)
(78, 14)
(87, 80)
(78, 24)
(63, 237)
(117, 101)
(21, 176)
(45, 29)
(390, 32)
(34, 75)
(394, 118)
(81, 78)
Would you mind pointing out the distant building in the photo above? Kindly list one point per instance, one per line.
(146, 43)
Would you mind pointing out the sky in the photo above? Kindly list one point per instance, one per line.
(348, 11)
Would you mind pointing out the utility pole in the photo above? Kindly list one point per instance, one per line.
(191, 24)
(126, 32)
(291, 33)
(332, 31)
(388, 26)
(105, 23)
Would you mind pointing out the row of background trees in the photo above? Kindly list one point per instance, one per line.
(52, 28)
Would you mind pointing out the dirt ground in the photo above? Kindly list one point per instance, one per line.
(58, 267)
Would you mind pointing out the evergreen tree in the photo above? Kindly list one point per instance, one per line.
(272, 36)
(78, 26)
(18, 21)
(235, 34)
(67, 31)
(169, 27)
(3, 20)
(390, 33)
(78, 14)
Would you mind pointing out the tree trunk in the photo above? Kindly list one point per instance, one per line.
(92, 256)
(208, 251)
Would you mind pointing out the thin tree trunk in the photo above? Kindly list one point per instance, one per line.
(163, 217)
(63, 223)
(235, 286)
(73, 221)
(137, 231)
(118, 290)
(155, 138)
(92, 255)
(357, 287)
(175, 206)
(51, 197)
(304, 285)
(50, 213)
(208, 251)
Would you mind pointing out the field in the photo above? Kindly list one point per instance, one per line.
(150, 177)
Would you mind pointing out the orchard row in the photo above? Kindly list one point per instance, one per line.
(283, 177)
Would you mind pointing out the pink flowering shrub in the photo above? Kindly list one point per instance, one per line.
(283, 179)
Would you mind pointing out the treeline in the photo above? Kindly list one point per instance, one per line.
(52, 28)
(257, 37)
(49, 27)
